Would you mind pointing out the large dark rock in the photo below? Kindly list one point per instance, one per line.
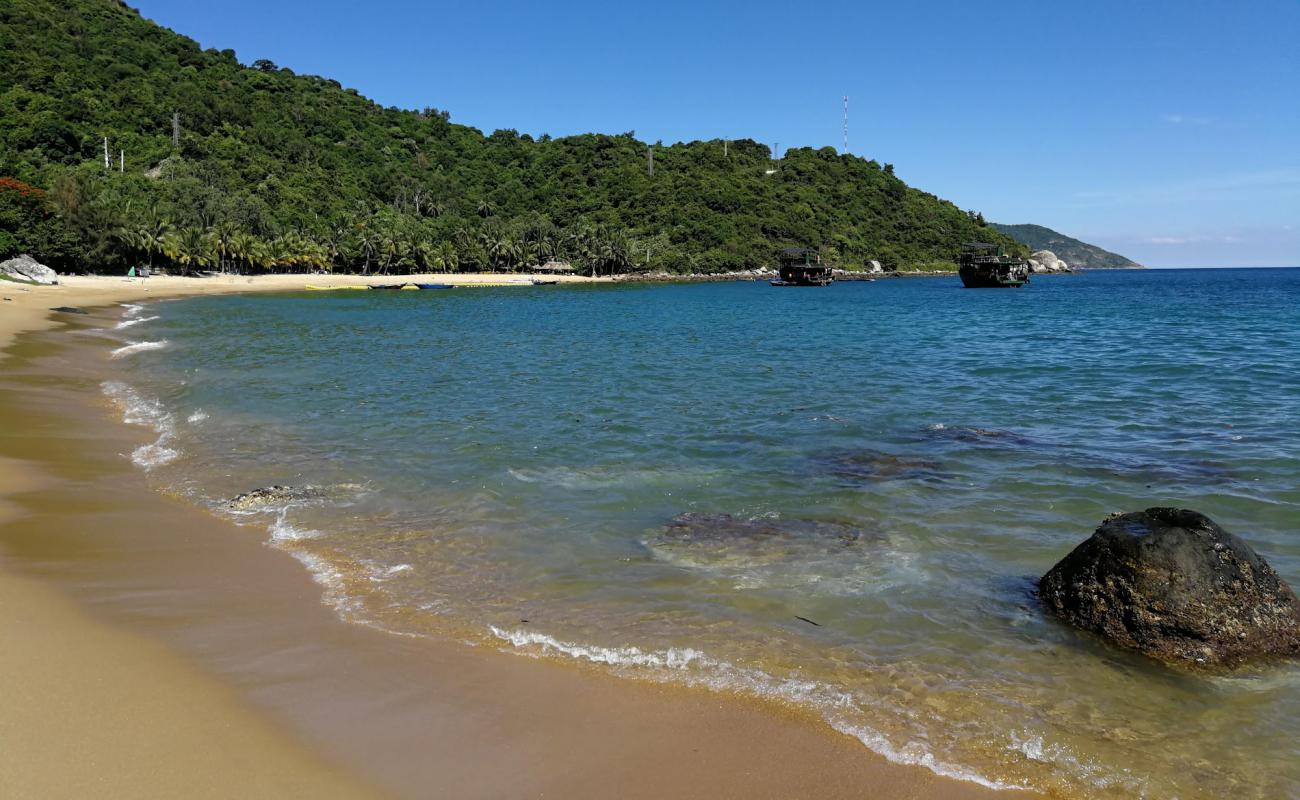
(1174, 585)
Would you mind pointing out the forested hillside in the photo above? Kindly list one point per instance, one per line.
(273, 170)
(1079, 255)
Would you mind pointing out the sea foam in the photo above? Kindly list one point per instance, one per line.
(140, 410)
(694, 668)
(136, 347)
(129, 321)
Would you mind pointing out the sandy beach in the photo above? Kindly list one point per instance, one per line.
(156, 651)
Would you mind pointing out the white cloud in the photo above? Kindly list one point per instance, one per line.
(1179, 240)
(1184, 119)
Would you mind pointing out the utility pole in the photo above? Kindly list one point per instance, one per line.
(176, 129)
(846, 125)
(650, 158)
(776, 151)
(107, 165)
(724, 148)
(121, 161)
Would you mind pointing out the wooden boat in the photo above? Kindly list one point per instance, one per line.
(545, 283)
(436, 285)
(803, 267)
(313, 288)
(987, 266)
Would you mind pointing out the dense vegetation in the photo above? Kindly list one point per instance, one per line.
(274, 170)
(1079, 255)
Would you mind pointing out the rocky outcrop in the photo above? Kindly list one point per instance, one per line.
(874, 267)
(1046, 261)
(26, 268)
(271, 496)
(1172, 584)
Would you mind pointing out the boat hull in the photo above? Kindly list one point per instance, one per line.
(986, 279)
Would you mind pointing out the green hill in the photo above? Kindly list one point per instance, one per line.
(1079, 255)
(278, 170)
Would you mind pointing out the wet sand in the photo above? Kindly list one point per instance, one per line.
(164, 652)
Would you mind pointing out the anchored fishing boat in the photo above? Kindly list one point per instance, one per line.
(803, 267)
(987, 266)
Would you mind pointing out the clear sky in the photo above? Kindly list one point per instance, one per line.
(1167, 131)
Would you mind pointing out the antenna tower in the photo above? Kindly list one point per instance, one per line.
(846, 125)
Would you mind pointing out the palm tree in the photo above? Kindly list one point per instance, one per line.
(189, 247)
(445, 258)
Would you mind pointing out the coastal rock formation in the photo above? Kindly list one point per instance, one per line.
(1173, 585)
(1046, 261)
(68, 310)
(26, 268)
(270, 496)
(874, 267)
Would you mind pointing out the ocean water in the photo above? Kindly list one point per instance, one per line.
(874, 475)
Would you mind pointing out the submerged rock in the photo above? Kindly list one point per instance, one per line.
(701, 527)
(26, 268)
(963, 433)
(68, 310)
(722, 541)
(268, 496)
(1172, 584)
(874, 465)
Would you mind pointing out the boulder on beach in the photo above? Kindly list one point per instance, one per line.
(26, 268)
(1046, 261)
(874, 267)
(1172, 584)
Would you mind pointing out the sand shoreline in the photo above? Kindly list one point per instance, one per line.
(287, 698)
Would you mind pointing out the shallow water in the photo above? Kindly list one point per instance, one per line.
(899, 460)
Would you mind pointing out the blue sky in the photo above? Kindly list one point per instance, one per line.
(1167, 131)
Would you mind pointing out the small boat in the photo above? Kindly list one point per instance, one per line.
(801, 267)
(436, 285)
(545, 283)
(410, 287)
(313, 288)
(987, 266)
(392, 286)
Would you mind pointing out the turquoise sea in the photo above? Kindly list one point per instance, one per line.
(874, 475)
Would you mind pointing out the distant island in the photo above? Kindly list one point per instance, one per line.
(1079, 255)
(126, 144)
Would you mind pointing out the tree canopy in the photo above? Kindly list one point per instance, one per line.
(273, 170)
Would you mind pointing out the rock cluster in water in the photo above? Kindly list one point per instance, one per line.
(1046, 261)
(1172, 584)
(268, 496)
(26, 268)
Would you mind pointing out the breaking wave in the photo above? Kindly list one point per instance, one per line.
(146, 411)
(694, 668)
(136, 347)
